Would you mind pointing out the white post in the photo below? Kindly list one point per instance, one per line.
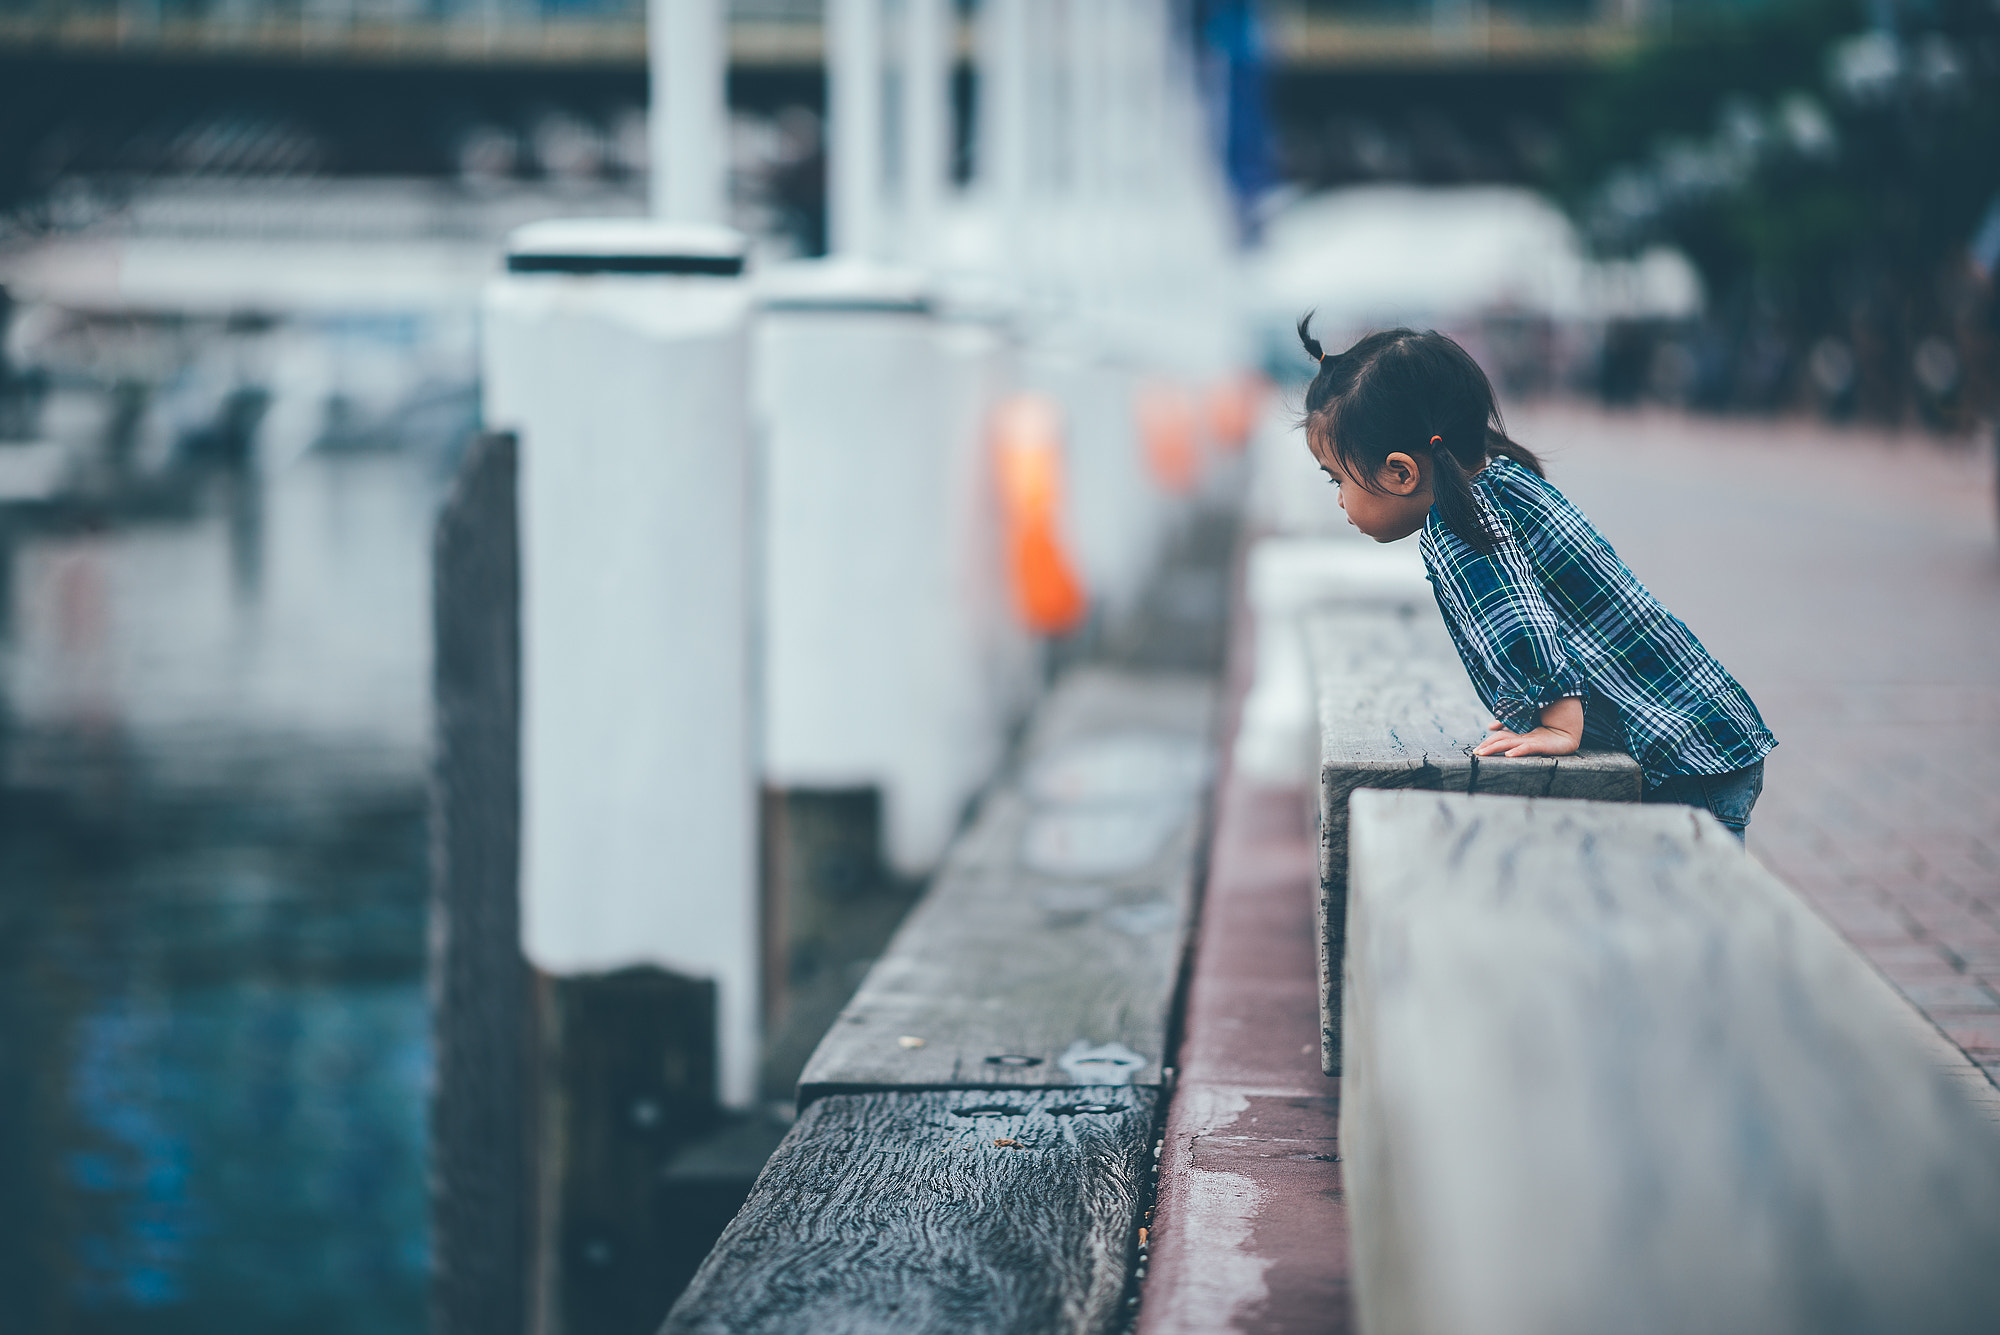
(1157, 123)
(687, 53)
(1003, 111)
(854, 106)
(881, 666)
(1039, 239)
(626, 383)
(1124, 128)
(927, 118)
(1087, 105)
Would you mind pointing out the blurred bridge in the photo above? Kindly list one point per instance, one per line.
(1300, 34)
(1356, 90)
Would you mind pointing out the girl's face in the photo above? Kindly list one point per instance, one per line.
(1392, 504)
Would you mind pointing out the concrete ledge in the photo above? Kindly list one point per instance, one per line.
(1605, 1072)
(1396, 711)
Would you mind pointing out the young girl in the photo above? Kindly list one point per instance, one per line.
(1563, 644)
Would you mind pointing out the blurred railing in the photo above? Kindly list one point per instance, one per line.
(559, 32)
(1300, 33)
(1339, 33)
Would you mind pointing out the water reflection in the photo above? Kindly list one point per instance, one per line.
(212, 1021)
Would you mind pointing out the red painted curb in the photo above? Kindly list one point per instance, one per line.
(1249, 1232)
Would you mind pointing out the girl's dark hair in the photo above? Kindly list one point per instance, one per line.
(1394, 391)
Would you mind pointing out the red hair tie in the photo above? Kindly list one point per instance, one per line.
(1437, 440)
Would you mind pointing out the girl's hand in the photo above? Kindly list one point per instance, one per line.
(1560, 734)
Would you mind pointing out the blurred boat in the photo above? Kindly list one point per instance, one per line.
(1500, 265)
(247, 322)
(32, 471)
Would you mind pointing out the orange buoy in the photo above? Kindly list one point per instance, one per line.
(1167, 433)
(1233, 405)
(1027, 436)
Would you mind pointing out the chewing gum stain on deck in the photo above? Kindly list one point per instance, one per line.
(1100, 1064)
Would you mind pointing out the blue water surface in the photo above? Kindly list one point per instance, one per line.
(213, 1033)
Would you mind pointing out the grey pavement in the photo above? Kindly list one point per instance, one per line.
(1850, 578)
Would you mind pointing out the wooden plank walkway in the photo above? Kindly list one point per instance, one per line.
(951, 1210)
(1605, 1072)
(977, 1132)
(1396, 711)
(1046, 952)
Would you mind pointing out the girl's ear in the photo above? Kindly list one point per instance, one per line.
(1400, 475)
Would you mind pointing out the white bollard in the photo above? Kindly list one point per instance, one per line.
(888, 655)
(616, 350)
(1003, 153)
(1086, 193)
(889, 661)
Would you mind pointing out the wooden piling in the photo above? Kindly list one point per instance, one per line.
(478, 980)
(624, 1076)
(558, 1102)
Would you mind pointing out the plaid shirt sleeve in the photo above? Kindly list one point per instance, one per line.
(1553, 612)
(1507, 632)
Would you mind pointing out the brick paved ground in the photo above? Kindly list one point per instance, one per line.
(1851, 580)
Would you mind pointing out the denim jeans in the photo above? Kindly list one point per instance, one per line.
(1728, 797)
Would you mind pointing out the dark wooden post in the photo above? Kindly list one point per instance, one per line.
(558, 1102)
(480, 1103)
(625, 1078)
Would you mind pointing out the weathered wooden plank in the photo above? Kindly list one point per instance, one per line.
(1396, 711)
(1047, 950)
(1607, 1073)
(945, 1211)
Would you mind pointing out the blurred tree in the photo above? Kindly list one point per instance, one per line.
(1825, 164)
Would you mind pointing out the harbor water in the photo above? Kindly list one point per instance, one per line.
(213, 754)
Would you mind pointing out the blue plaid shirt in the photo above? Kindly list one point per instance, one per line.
(1552, 612)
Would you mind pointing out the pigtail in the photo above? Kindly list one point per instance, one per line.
(1451, 488)
(1500, 446)
(1452, 474)
(1311, 344)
